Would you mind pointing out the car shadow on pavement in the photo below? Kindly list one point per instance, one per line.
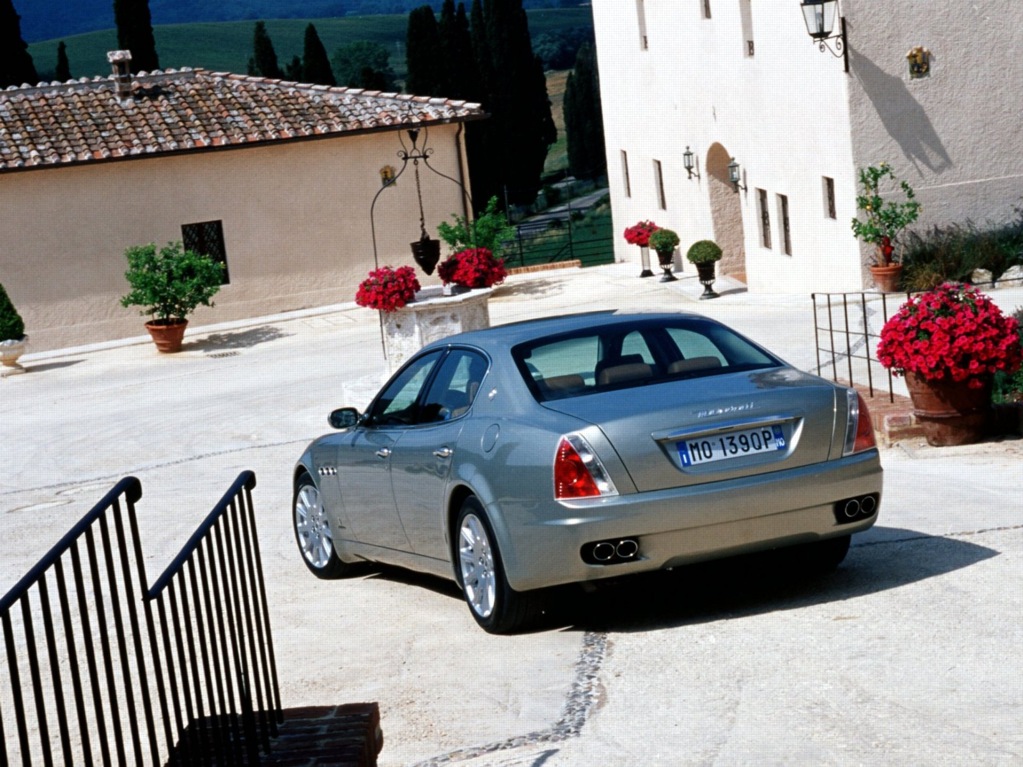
(763, 583)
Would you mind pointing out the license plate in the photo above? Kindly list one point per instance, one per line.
(734, 444)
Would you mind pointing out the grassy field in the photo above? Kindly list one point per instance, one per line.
(227, 46)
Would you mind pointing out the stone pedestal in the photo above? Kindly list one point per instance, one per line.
(430, 317)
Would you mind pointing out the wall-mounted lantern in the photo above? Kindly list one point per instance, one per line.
(919, 59)
(820, 16)
(689, 162)
(735, 175)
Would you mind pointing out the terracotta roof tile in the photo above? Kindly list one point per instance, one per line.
(190, 109)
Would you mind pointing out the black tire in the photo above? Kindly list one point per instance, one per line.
(313, 534)
(495, 606)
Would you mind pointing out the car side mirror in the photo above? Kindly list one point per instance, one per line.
(344, 418)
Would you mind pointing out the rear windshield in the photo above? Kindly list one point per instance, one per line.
(644, 352)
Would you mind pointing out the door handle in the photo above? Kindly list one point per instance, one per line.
(444, 452)
(384, 452)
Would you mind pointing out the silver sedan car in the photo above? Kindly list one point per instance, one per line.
(577, 448)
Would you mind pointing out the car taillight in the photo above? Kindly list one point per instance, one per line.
(578, 473)
(859, 429)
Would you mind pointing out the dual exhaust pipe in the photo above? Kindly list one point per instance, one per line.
(855, 509)
(611, 552)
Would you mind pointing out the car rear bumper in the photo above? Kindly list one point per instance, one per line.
(681, 526)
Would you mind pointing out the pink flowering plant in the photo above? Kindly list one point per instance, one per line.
(388, 289)
(951, 332)
(639, 233)
(473, 268)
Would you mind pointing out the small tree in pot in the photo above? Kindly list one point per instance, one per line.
(705, 253)
(663, 242)
(12, 336)
(169, 284)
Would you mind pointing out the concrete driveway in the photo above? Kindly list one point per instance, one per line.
(906, 655)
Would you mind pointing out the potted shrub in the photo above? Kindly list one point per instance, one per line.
(883, 221)
(489, 230)
(12, 336)
(169, 284)
(704, 254)
(472, 268)
(664, 242)
(639, 234)
(388, 289)
(949, 343)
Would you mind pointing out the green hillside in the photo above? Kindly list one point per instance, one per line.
(227, 46)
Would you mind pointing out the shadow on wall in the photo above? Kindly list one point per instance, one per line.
(901, 114)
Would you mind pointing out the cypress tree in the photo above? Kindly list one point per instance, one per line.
(315, 63)
(63, 71)
(264, 57)
(484, 171)
(135, 34)
(584, 124)
(16, 67)
(424, 56)
(519, 104)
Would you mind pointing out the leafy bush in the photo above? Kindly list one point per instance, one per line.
(11, 325)
(1009, 387)
(663, 240)
(952, 253)
(704, 252)
(171, 283)
(489, 230)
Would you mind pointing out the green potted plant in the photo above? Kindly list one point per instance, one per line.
(663, 242)
(490, 230)
(12, 336)
(169, 284)
(883, 221)
(704, 254)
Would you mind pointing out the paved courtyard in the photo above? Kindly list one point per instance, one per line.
(906, 655)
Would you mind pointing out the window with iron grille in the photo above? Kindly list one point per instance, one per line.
(625, 174)
(662, 201)
(829, 197)
(641, 16)
(783, 218)
(765, 218)
(746, 13)
(706, 9)
(207, 238)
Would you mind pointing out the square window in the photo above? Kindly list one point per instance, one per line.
(207, 238)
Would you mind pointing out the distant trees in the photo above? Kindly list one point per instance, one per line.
(135, 34)
(315, 63)
(364, 64)
(487, 57)
(264, 57)
(584, 123)
(16, 67)
(63, 71)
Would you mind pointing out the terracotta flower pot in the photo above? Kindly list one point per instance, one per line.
(166, 335)
(950, 412)
(887, 278)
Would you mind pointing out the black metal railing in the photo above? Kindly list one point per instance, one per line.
(101, 668)
(847, 328)
(551, 240)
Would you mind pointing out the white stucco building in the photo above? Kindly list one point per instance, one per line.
(744, 80)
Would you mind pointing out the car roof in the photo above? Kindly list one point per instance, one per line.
(511, 334)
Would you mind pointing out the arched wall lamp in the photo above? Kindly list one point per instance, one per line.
(819, 16)
(689, 163)
(735, 175)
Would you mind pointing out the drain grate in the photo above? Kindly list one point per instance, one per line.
(220, 355)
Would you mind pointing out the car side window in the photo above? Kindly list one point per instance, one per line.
(399, 403)
(455, 386)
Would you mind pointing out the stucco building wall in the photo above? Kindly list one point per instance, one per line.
(673, 76)
(295, 218)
